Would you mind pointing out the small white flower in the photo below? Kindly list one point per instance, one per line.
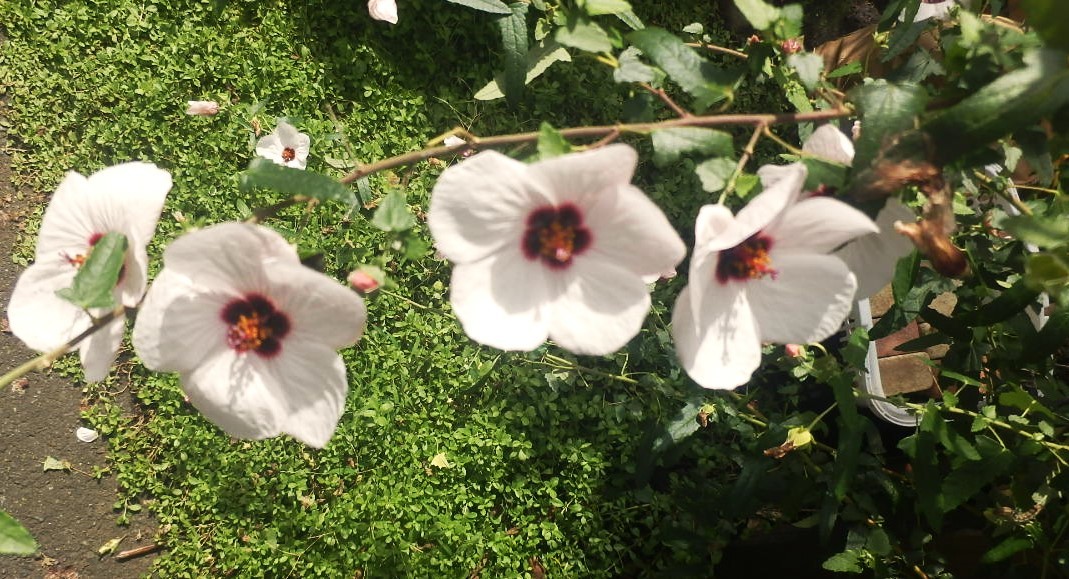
(764, 275)
(556, 249)
(285, 146)
(385, 10)
(252, 332)
(202, 108)
(124, 199)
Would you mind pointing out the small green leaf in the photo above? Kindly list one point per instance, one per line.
(599, 7)
(631, 69)
(538, 60)
(94, 284)
(886, 110)
(585, 35)
(1046, 272)
(808, 65)
(14, 538)
(52, 463)
(845, 562)
(393, 213)
(706, 83)
(758, 13)
(1041, 230)
(551, 143)
(670, 144)
(263, 173)
(491, 6)
(715, 172)
(514, 39)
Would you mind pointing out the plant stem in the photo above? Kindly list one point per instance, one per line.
(747, 152)
(597, 131)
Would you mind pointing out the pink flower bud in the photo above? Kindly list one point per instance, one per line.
(794, 350)
(791, 46)
(362, 281)
(202, 108)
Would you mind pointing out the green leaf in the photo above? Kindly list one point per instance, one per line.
(491, 6)
(1006, 549)
(886, 110)
(715, 172)
(514, 39)
(706, 83)
(14, 538)
(1015, 100)
(631, 69)
(808, 65)
(1037, 229)
(758, 13)
(1008, 304)
(599, 7)
(845, 562)
(538, 60)
(393, 213)
(856, 349)
(52, 463)
(94, 284)
(670, 144)
(265, 174)
(585, 35)
(1046, 272)
(1050, 19)
(551, 143)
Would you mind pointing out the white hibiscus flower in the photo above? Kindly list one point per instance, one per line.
(285, 146)
(764, 275)
(124, 199)
(252, 332)
(556, 249)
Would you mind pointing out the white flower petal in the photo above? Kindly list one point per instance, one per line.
(385, 10)
(178, 326)
(481, 205)
(767, 207)
(321, 310)
(97, 352)
(68, 222)
(37, 316)
(86, 434)
(806, 301)
(229, 257)
(599, 310)
(631, 231)
(873, 257)
(584, 177)
(938, 10)
(716, 230)
(312, 379)
(238, 394)
(499, 301)
(819, 225)
(270, 147)
(830, 144)
(770, 174)
(715, 335)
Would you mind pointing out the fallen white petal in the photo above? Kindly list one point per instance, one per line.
(86, 434)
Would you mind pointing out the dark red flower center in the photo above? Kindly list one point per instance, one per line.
(79, 259)
(555, 235)
(254, 324)
(289, 154)
(747, 260)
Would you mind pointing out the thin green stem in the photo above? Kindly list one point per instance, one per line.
(593, 132)
(747, 152)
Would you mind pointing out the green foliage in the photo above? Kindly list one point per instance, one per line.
(14, 538)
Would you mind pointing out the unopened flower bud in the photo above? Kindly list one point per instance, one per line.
(794, 350)
(202, 108)
(365, 279)
(791, 46)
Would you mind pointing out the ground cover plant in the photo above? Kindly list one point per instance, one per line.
(453, 438)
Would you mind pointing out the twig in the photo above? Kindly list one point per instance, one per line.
(659, 93)
(597, 131)
(138, 551)
(747, 152)
(720, 49)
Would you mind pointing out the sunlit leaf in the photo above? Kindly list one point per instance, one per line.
(14, 538)
(393, 213)
(700, 78)
(537, 61)
(514, 39)
(670, 144)
(715, 172)
(263, 173)
(94, 284)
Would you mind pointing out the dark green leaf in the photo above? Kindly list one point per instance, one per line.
(514, 39)
(491, 6)
(94, 284)
(1008, 304)
(1047, 272)
(886, 110)
(1006, 549)
(845, 562)
(1050, 18)
(694, 74)
(856, 348)
(845, 70)
(538, 60)
(1037, 229)
(963, 482)
(266, 174)
(808, 65)
(670, 144)
(599, 7)
(393, 213)
(14, 538)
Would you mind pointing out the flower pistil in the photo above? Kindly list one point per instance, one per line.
(747, 260)
(254, 324)
(555, 235)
